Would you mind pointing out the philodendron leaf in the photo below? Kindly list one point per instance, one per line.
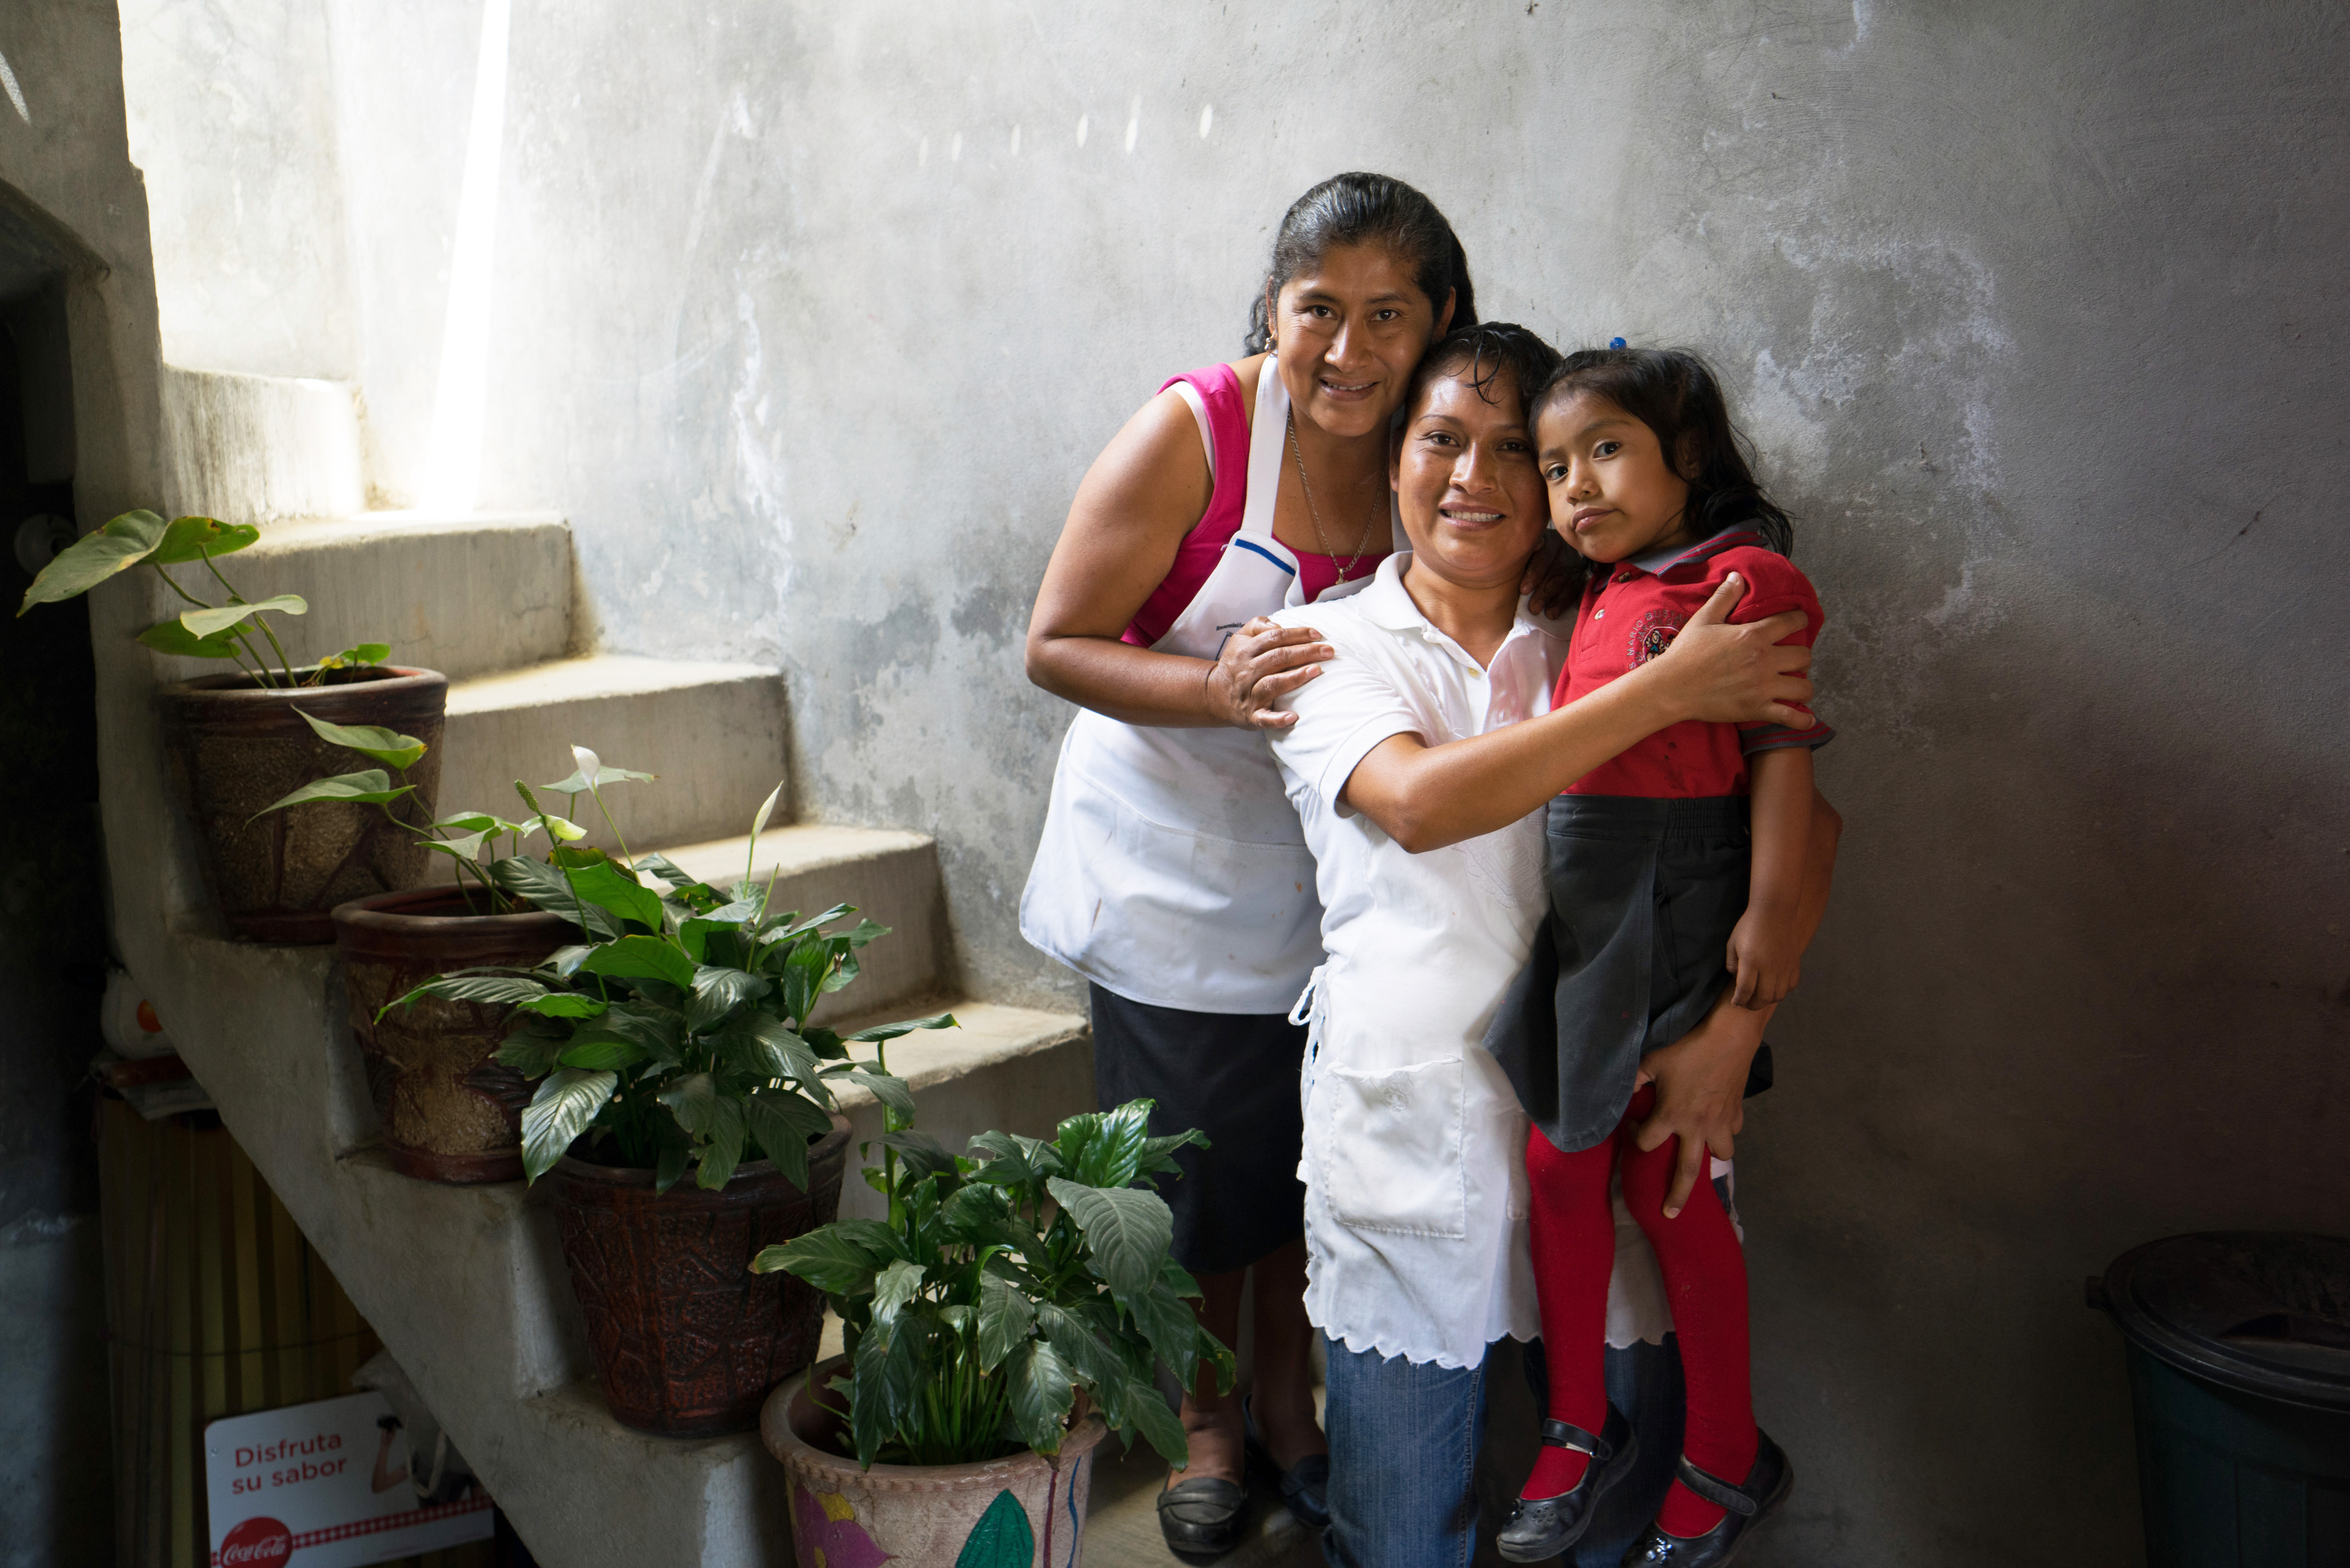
(641, 958)
(567, 1101)
(545, 888)
(1007, 1318)
(606, 885)
(88, 561)
(388, 747)
(1041, 1395)
(169, 637)
(207, 622)
(893, 1287)
(356, 656)
(1128, 1229)
(370, 787)
(189, 538)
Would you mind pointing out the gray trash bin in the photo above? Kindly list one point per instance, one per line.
(2238, 1347)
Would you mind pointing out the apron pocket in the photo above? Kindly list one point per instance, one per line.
(1386, 1146)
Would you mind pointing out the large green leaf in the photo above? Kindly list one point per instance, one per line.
(1041, 1395)
(886, 1370)
(356, 655)
(1007, 1318)
(1079, 1350)
(803, 977)
(535, 1050)
(505, 989)
(388, 747)
(893, 1287)
(169, 637)
(920, 1155)
(202, 623)
(892, 1092)
(1170, 1325)
(641, 958)
(189, 538)
(1160, 1425)
(831, 1262)
(1158, 1156)
(88, 561)
(1002, 1539)
(564, 1004)
(782, 1053)
(567, 1101)
(783, 1122)
(981, 1216)
(1128, 1229)
(881, 1032)
(601, 1050)
(371, 786)
(545, 888)
(607, 887)
(711, 1117)
(1109, 1156)
(717, 991)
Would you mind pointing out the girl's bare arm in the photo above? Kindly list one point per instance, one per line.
(1766, 946)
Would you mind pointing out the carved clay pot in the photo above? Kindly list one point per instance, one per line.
(1023, 1510)
(451, 1112)
(233, 748)
(686, 1339)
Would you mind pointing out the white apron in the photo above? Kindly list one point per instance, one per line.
(1172, 870)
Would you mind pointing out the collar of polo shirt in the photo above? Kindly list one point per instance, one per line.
(1657, 563)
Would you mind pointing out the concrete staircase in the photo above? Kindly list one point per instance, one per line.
(466, 1285)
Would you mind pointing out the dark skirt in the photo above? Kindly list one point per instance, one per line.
(1233, 1076)
(1643, 897)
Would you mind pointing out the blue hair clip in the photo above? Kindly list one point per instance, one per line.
(1615, 343)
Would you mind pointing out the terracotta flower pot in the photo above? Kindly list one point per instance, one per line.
(451, 1112)
(233, 748)
(686, 1339)
(1023, 1510)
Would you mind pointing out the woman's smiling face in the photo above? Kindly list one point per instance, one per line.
(1348, 331)
(1466, 483)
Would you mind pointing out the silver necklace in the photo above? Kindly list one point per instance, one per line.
(1361, 543)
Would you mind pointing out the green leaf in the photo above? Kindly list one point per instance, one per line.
(567, 1101)
(565, 1004)
(1128, 1229)
(89, 560)
(892, 1092)
(1007, 1318)
(1110, 1155)
(388, 747)
(601, 1050)
(641, 958)
(465, 986)
(607, 887)
(1161, 1426)
(781, 1052)
(893, 1287)
(881, 1032)
(830, 1259)
(1015, 1161)
(1002, 1539)
(1086, 1356)
(465, 848)
(202, 623)
(669, 1164)
(544, 888)
(783, 1122)
(1041, 1394)
(886, 1370)
(713, 1119)
(803, 977)
(169, 637)
(533, 1049)
(717, 991)
(372, 787)
(920, 1155)
(1170, 1325)
(189, 538)
(356, 656)
(981, 1216)
(1157, 1155)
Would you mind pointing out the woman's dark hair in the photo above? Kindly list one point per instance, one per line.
(1488, 352)
(1674, 392)
(1366, 209)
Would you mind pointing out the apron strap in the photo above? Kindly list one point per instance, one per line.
(1268, 450)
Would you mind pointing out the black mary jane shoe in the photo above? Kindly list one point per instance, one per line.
(1304, 1487)
(1540, 1528)
(1203, 1516)
(1744, 1506)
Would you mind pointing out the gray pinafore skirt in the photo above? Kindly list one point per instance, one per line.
(1643, 895)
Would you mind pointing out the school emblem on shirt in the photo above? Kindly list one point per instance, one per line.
(1652, 634)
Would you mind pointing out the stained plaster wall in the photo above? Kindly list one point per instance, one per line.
(810, 317)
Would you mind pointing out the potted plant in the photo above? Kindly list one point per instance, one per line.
(449, 1110)
(673, 1039)
(1005, 1316)
(234, 743)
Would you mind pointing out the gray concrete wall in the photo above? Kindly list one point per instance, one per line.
(810, 317)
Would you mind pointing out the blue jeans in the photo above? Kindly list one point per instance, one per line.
(1404, 1440)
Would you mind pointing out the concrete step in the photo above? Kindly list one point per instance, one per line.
(253, 449)
(466, 1286)
(714, 734)
(466, 596)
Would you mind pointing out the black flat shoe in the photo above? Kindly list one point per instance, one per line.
(1540, 1528)
(1748, 1504)
(1203, 1516)
(1305, 1488)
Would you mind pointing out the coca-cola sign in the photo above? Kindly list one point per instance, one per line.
(257, 1543)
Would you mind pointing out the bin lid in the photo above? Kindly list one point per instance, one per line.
(2264, 1312)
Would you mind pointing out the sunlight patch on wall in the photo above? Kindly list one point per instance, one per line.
(454, 463)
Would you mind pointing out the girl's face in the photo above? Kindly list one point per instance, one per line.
(1348, 330)
(1465, 482)
(1612, 491)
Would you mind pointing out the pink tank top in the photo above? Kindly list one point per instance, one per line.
(1196, 557)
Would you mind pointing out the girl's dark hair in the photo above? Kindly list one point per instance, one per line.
(1674, 392)
(1488, 352)
(1366, 209)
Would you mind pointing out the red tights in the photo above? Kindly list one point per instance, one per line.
(1572, 1232)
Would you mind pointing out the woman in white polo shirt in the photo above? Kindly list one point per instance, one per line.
(1418, 765)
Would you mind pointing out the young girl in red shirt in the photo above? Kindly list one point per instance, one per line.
(1675, 871)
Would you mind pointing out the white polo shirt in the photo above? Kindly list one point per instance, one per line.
(1415, 1144)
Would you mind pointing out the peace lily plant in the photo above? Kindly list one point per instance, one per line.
(1001, 1286)
(676, 1036)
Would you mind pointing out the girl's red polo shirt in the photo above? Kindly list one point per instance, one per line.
(1631, 612)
